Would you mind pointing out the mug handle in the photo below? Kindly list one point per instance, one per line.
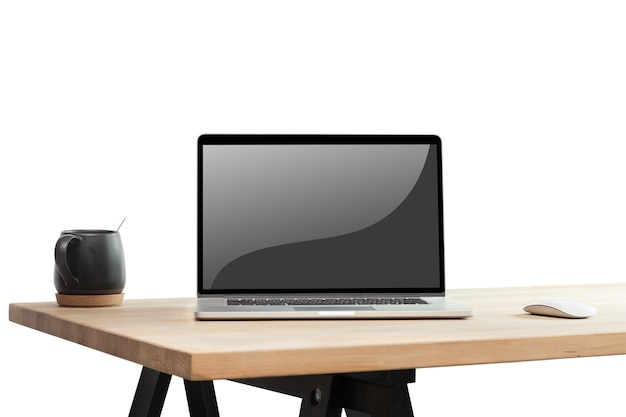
(60, 259)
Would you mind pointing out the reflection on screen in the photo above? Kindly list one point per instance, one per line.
(320, 217)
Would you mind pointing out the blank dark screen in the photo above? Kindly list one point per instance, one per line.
(320, 217)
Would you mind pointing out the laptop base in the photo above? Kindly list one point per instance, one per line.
(436, 308)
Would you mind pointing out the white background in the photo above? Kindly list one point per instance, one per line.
(101, 104)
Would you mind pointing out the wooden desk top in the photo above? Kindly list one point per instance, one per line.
(163, 335)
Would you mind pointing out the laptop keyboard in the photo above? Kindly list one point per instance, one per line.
(325, 301)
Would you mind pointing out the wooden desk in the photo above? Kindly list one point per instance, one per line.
(350, 364)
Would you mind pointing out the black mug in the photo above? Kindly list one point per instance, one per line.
(89, 262)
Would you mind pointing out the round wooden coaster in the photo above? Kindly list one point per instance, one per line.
(107, 300)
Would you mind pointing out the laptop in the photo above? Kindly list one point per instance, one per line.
(321, 227)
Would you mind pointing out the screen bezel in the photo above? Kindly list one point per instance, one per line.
(322, 139)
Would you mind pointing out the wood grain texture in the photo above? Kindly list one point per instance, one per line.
(162, 334)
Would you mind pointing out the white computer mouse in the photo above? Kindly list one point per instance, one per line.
(568, 309)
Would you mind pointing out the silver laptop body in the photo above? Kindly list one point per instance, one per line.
(321, 227)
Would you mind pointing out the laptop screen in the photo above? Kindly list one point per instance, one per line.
(319, 214)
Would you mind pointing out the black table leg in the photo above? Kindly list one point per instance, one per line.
(150, 394)
(365, 394)
(201, 399)
(384, 403)
(378, 394)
